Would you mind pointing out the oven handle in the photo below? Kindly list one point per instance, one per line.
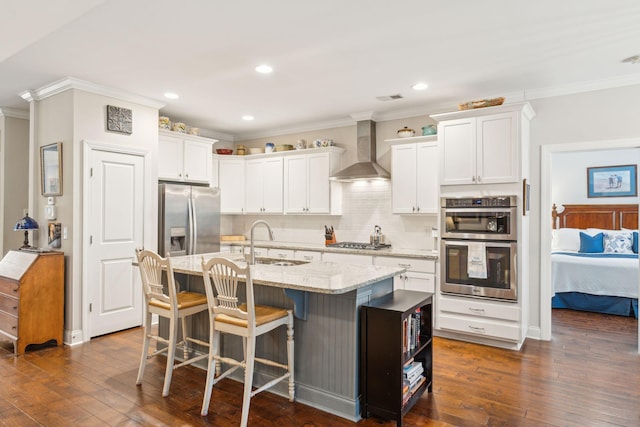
(491, 243)
(485, 210)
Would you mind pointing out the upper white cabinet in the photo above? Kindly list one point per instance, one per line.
(263, 185)
(307, 188)
(231, 179)
(483, 146)
(414, 176)
(184, 157)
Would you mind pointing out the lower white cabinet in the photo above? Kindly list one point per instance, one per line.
(308, 255)
(474, 316)
(420, 274)
(347, 258)
(281, 253)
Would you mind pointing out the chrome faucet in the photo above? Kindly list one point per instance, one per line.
(252, 254)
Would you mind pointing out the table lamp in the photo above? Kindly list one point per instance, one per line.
(27, 223)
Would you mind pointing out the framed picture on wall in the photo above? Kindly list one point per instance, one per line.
(51, 169)
(612, 181)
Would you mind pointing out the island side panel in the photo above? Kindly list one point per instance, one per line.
(326, 345)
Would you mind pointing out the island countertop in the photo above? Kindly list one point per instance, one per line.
(315, 276)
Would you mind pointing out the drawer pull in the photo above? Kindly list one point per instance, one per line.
(476, 310)
(308, 257)
(404, 265)
(476, 329)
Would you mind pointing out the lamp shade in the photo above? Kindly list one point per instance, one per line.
(26, 223)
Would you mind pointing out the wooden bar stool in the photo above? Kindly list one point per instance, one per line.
(228, 315)
(171, 304)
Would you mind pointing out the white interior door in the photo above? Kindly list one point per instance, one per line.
(115, 225)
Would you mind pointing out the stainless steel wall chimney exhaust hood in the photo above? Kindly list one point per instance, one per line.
(366, 168)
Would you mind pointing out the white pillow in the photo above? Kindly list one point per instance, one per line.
(619, 242)
(565, 239)
(594, 231)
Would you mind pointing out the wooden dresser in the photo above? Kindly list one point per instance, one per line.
(32, 298)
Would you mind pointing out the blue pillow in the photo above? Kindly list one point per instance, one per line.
(634, 246)
(591, 244)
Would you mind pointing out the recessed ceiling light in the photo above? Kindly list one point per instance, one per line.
(420, 86)
(171, 95)
(264, 69)
(247, 117)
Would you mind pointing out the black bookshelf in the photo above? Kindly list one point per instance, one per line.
(396, 337)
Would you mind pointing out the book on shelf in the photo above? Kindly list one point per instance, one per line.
(411, 331)
(418, 384)
(414, 367)
(414, 378)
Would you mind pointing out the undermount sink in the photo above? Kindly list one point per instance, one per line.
(280, 262)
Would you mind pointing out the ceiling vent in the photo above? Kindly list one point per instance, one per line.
(389, 97)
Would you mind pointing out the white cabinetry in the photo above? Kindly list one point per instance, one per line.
(420, 274)
(184, 157)
(347, 258)
(483, 146)
(281, 253)
(263, 185)
(308, 255)
(480, 318)
(414, 176)
(307, 188)
(231, 183)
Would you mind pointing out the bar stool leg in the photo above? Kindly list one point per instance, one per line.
(290, 357)
(248, 378)
(173, 335)
(145, 348)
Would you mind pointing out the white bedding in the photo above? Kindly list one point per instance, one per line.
(595, 275)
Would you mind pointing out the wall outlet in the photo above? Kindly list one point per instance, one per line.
(434, 232)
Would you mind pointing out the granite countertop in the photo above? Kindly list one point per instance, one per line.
(393, 252)
(314, 276)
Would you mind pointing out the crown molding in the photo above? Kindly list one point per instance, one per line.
(512, 97)
(14, 113)
(582, 87)
(74, 83)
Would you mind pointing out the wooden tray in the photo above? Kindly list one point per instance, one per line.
(481, 103)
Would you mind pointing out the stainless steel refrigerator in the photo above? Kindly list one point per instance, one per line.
(189, 219)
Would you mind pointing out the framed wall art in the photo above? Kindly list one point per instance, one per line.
(612, 181)
(51, 169)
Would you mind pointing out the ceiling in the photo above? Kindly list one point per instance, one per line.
(331, 58)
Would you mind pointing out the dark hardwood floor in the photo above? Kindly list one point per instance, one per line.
(588, 375)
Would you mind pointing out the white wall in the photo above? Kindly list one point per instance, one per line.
(591, 116)
(569, 175)
(14, 179)
(72, 117)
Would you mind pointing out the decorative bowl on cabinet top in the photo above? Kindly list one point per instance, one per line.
(405, 132)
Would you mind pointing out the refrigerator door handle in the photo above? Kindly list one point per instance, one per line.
(193, 227)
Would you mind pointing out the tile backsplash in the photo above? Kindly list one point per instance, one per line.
(364, 205)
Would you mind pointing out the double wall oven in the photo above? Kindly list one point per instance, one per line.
(479, 247)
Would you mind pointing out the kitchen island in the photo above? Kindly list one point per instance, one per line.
(326, 299)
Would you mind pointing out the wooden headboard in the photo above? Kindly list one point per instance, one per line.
(607, 217)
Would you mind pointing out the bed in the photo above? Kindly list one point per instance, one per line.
(594, 259)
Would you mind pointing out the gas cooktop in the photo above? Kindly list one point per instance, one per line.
(356, 245)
